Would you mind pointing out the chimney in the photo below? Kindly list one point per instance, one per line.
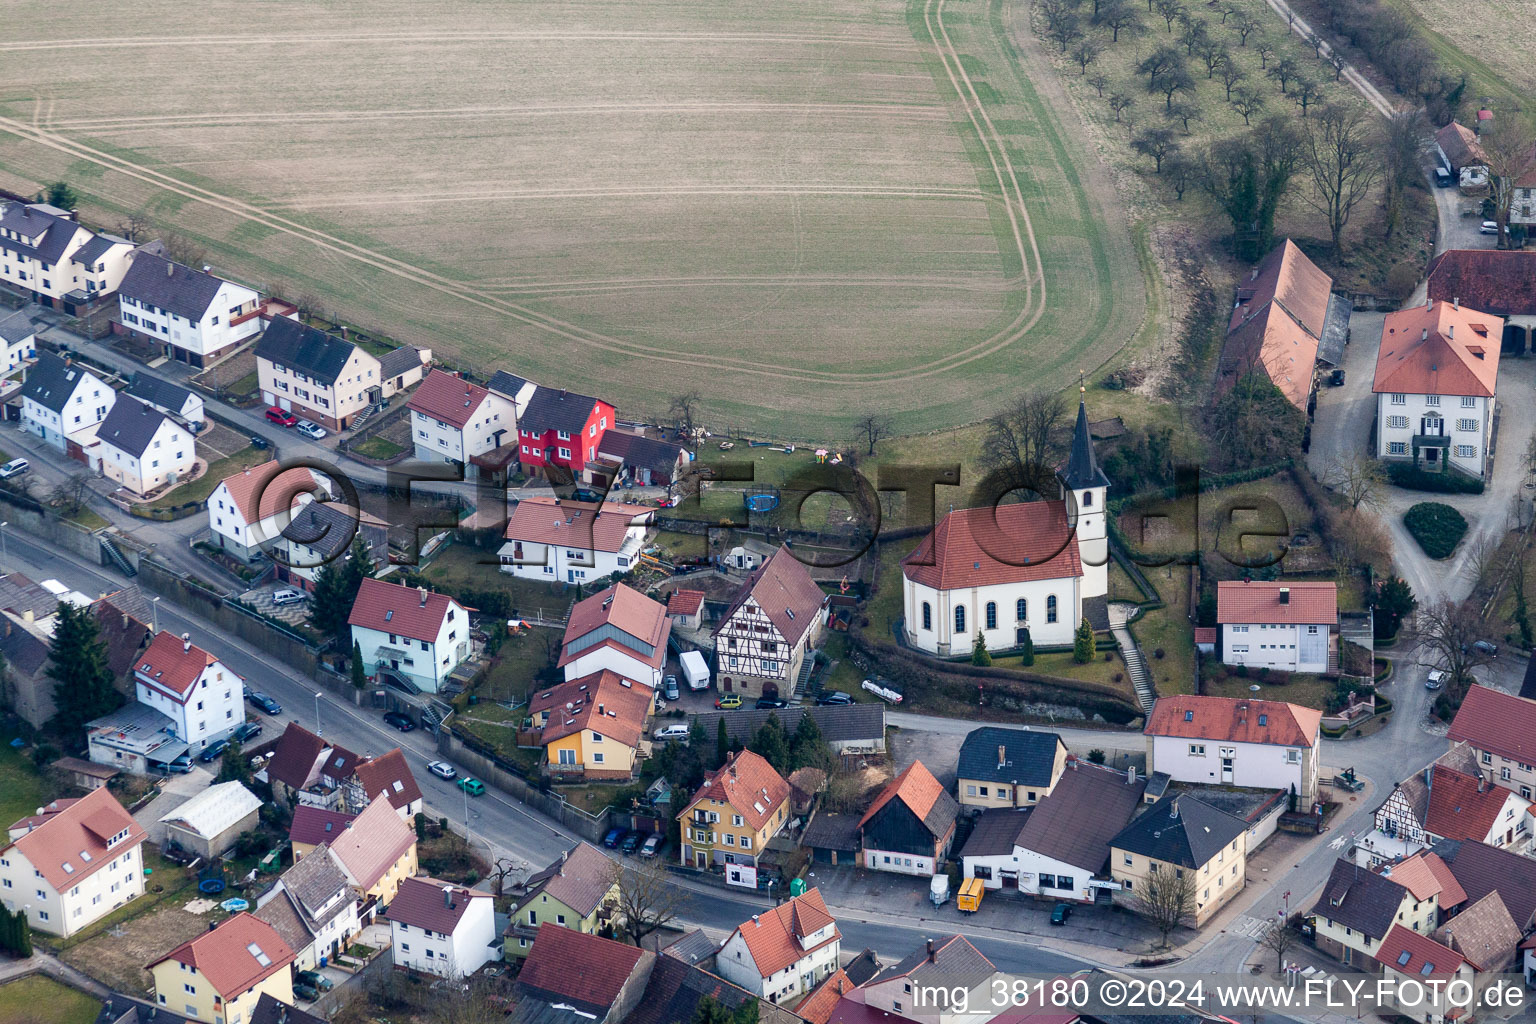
(1130, 775)
(1424, 334)
(755, 921)
(170, 269)
(186, 642)
(1285, 595)
(423, 592)
(1429, 777)
(1173, 810)
(930, 952)
(343, 332)
(212, 925)
(1456, 303)
(448, 896)
(1451, 331)
(1482, 784)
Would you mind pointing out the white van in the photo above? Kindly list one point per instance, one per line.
(677, 731)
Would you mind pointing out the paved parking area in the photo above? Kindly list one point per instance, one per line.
(1460, 218)
(261, 599)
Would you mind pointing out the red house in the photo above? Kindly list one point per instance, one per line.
(562, 428)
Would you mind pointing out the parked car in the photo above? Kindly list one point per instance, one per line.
(1435, 681)
(728, 702)
(313, 431)
(474, 787)
(314, 979)
(771, 703)
(831, 697)
(181, 765)
(1336, 378)
(611, 840)
(1487, 647)
(669, 686)
(1489, 227)
(213, 751)
(282, 417)
(1060, 913)
(287, 596)
(632, 841)
(260, 443)
(264, 703)
(399, 721)
(15, 467)
(443, 770)
(652, 845)
(308, 993)
(247, 731)
(677, 731)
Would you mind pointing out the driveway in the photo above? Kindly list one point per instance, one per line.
(1459, 222)
(1341, 425)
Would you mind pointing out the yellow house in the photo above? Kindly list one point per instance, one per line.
(1001, 767)
(1358, 906)
(591, 726)
(1187, 838)
(579, 891)
(220, 975)
(377, 851)
(734, 814)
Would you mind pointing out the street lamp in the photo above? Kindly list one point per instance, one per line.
(318, 730)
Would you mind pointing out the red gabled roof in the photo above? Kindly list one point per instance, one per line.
(916, 787)
(1234, 719)
(315, 825)
(748, 783)
(626, 610)
(1425, 875)
(1439, 349)
(449, 398)
(1462, 806)
(602, 702)
(408, 611)
(1423, 952)
(588, 970)
(782, 587)
(173, 664)
(1257, 601)
(420, 901)
(817, 1007)
(774, 938)
(277, 490)
(1278, 346)
(389, 776)
(685, 602)
(1285, 276)
(226, 958)
(579, 525)
(71, 842)
(1497, 722)
(1034, 537)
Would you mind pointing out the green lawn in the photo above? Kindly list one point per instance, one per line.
(22, 788)
(1295, 688)
(89, 519)
(41, 1000)
(459, 567)
(1168, 628)
(512, 672)
(246, 385)
(378, 447)
(846, 676)
(199, 489)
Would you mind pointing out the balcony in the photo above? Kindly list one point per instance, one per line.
(1431, 441)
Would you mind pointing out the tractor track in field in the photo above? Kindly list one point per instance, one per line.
(351, 39)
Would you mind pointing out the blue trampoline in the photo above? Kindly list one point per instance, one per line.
(762, 502)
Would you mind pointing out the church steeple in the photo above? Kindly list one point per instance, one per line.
(1083, 470)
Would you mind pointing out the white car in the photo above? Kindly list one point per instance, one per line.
(1435, 681)
(14, 468)
(313, 431)
(442, 769)
(290, 596)
(1489, 227)
(672, 732)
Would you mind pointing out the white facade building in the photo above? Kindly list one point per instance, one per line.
(1236, 741)
(204, 700)
(45, 251)
(618, 629)
(414, 633)
(141, 448)
(190, 315)
(62, 402)
(453, 420)
(551, 540)
(18, 342)
(1282, 625)
(784, 952)
(247, 512)
(442, 929)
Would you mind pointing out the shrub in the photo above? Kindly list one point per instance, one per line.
(1159, 654)
(1096, 756)
(1082, 643)
(1414, 479)
(1438, 528)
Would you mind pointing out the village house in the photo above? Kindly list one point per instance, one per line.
(1183, 834)
(591, 726)
(323, 532)
(686, 608)
(639, 461)
(306, 771)
(204, 700)
(1459, 153)
(559, 432)
(442, 929)
(1477, 946)
(212, 820)
(175, 401)
(187, 315)
(678, 987)
(376, 851)
(220, 975)
(312, 908)
(909, 827)
(328, 379)
(1236, 741)
(784, 952)
(1447, 800)
(1287, 625)
(1001, 767)
(607, 985)
(741, 805)
(559, 540)
(313, 827)
(63, 403)
(413, 633)
(1436, 374)
(72, 863)
(141, 448)
(1501, 730)
(764, 637)
(580, 890)
(249, 510)
(1356, 910)
(18, 342)
(618, 629)
(453, 420)
(48, 257)
(948, 965)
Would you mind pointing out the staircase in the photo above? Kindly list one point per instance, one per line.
(1135, 664)
(115, 557)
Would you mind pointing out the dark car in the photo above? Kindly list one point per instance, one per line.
(314, 979)
(611, 840)
(213, 751)
(264, 703)
(399, 721)
(1060, 913)
(770, 703)
(247, 732)
(282, 417)
(260, 443)
(834, 697)
(1336, 378)
(1442, 177)
(305, 992)
(632, 841)
(1486, 647)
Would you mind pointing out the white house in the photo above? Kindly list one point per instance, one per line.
(442, 929)
(62, 402)
(1283, 625)
(204, 700)
(618, 629)
(316, 376)
(412, 632)
(783, 952)
(1236, 741)
(1436, 374)
(770, 626)
(247, 512)
(141, 448)
(175, 401)
(312, 907)
(18, 342)
(72, 863)
(552, 540)
(453, 420)
(45, 251)
(1013, 570)
(189, 315)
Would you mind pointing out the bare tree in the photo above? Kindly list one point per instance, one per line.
(1307, 93)
(1214, 56)
(181, 249)
(1278, 937)
(1025, 440)
(873, 428)
(1283, 71)
(1485, 565)
(1158, 63)
(1340, 151)
(1156, 143)
(1445, 635)
(1179, 172)
(1174, 80)
(1404, 140)
(1099, 81)
(1119, 102)
(647, 898)
(682, 409)
(1247, 101)
(1357, 538)
(1165, 898)
(1086, 52)
(1265, 49)
(134, 225)
(1119, 16)
(70, 496)
(1511, 152)
(1231, 74)
(501, 869)
(1065, 31)
(1186, 114)
(1358, 481)
(1245, 24)
(1169, 11)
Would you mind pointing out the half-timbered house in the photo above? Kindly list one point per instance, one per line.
(762, 640)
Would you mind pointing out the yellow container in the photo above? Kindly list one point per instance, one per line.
(969, 898)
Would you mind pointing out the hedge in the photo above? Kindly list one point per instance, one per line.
(1411, 477)
(1438, 528)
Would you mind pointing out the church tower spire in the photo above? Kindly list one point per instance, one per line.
(1086, 489)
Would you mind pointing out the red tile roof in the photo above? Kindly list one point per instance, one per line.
(295, 759)
(71, 842)
(225, 956)
(420, 902)
(389, 776)
(603, 702)
(1497, 722)
(1277, 345)
(173, 664)
(1285, 276)
(448, 398)
(408, 611)
(817, 1007)
(1462, 806)
(1256, 601)
(315, 825)
(1425, 875)
(773, 938)
(784, 590)
(1035, 537)
(625, 609)
(915, 786)
(372, 843)
(1501, 282)
(277, 490)
(1439, 349)
(748, 783)
(1460, 145)
(1426, 957)
(1206, 634)
(53, 807)
(685, 602)
(587, 970)
(1235, 720)
(579, 525)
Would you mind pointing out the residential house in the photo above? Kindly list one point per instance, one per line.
(765, 634)
(306, 771)
(175, 401)
(618, 629)
(740, 806)
(141, 448)
(47, 256)
(1501, 730)
(248, 511)
(1356, 910)
(313, 909)
(1432, 884)
(315, 375)
(28, 615)
(686, 608)
(1457, 150)
(1284, 322)
(314, 827)
(453, 420)
(187, 315)
(1236, 741)
(556, 540)
(322, 532)
(271, 1011)
(1480, 869)
(18, 342)
(442, 929)
(910, 825)
(1059, 847)
(376, 851)
(1001, 767)
(220, 975)
(413, 633)
(640, 461)
(949, 967)
(580, 890)
(677, 987)
(1401, 818)
(1428, 967)
(847, 728)
(517, 390)
(1436, 374)
(134, 738)
(785, 952)
(63, 403)
(1183, 834)
(387, 776)
(591, 727)
(72, 863)
(211, 822)
(1291, 626)
(204, 700)
(559, 432)
(1484, 933)
(606, 987)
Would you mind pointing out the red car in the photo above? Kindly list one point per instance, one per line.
(279, 416)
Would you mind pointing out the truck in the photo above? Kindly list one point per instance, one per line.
(971, 891)
(695, 670)
(938, 890)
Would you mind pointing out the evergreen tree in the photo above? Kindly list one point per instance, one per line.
(769, 742)
(330, 605)
(722, 742)
(1392, 601)
(808, 748)
(233, 767)
(77, 663)
(696, 739)
(1027, 650)
(1082, 643)
(421, 827)
(980, 656)
(60, 194)
(359, 676)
